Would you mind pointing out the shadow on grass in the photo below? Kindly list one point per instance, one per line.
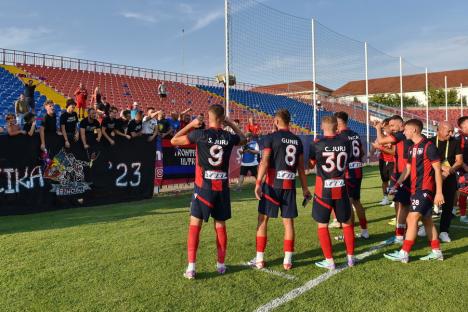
(71, 217)
(231, 269)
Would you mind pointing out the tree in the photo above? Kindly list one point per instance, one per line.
(437, 97)
(394, 100)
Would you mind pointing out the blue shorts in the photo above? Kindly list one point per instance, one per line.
(323, 207)
(274, 199)
(354, 188)
(206, 203)
(422, 202)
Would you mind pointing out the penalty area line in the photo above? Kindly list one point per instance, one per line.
(316, 281)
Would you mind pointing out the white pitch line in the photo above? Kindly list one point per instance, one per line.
(315, 282)
(273, 272)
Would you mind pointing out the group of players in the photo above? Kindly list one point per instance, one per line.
(337, 157)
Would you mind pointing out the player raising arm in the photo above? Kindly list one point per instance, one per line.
(282, 158)
(211, 196)
(424, 171)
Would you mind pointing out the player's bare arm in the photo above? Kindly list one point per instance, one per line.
(302, 176)
(439, 197)
(458, 163)
(235, 128)
(261, 173)
(381, 139)
(404, 175)
(180, 138)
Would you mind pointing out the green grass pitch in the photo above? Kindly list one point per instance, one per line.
(130, 257)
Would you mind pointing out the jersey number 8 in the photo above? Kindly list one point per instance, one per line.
(335, 161)
(216, 153)
(290, 157)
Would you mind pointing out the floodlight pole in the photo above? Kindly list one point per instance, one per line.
(367, 102)
(401, 87)
(461, 100)
(446, 99)
(226, 46)
(427, 102)
(314, 88)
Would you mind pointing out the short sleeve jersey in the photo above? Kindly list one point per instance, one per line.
(421, 156)
(50, 123)
(135, 126)
(69, 120)
(90, 128)
(401, 151)
(354, 169)
(285, 148)
(213, 152)
(331, 157)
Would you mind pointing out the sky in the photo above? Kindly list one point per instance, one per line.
(148, 33)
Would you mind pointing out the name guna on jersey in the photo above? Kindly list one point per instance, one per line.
(215, 175)
(289, 141)
(332, 183)
(285, 175)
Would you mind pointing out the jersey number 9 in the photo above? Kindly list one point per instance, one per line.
(216, 153)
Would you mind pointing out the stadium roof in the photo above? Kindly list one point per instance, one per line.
(298, 86)
(411, 83)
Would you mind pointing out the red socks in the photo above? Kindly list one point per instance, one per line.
(462, 204)
(348, 233)
(221, 243)
(325, 242)
(407, 245)
(435, 244)
(400, 230)
(288, 245)
(192, 242)
(261, 243)
(363, 223)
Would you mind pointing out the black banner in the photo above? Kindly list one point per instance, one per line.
(32, 181)
(178, 163)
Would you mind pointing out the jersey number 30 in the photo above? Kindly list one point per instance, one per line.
(334, 161)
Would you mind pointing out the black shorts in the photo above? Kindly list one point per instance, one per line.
(163, 95)
(206, 203)
(323, 207)
(354, 188)
(244, 170)
(403, 193)
(422, 202)
(386, 170)
(274, 199)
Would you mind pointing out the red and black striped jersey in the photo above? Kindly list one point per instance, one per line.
(402, 146)
(330, 156)
(354, 168)
(387, 157)
(464, 146)
(214, 147)
(421, 156)
(285, 148)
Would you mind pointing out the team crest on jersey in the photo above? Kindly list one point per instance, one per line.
(418, 151)
(285, 175)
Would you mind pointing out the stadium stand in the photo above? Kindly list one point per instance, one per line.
(302, 113)
(122, 91)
